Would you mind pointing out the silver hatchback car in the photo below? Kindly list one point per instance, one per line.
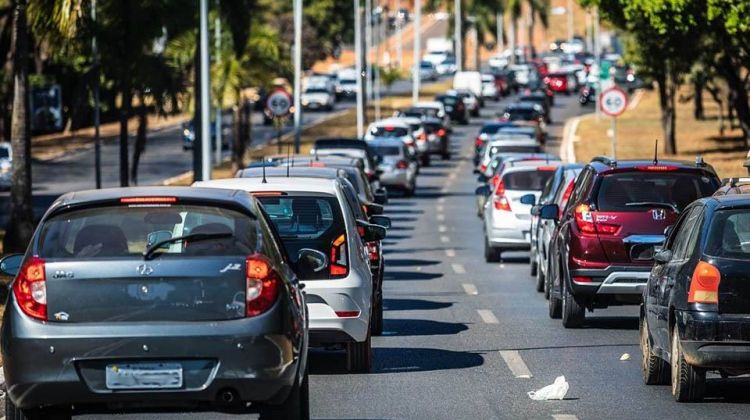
(155, 296)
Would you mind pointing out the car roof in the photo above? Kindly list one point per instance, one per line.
(408, 120)
(521, 105)
(512, 141)
(254, 184)
(384, 141)
(529, 166)
(396, 122)
(294, 171)
(602, 164)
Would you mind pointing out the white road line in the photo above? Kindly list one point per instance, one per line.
(564, 417)
(452, 175)
(458, 268)
(445, 239)
(470, 289)
(450, 253)
(439, 208)
(441, 200)
(487, 316)
(442, 228)
(516, 364)
(440, 217)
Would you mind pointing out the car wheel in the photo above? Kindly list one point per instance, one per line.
(554, 303)
(688, 382)
(14, 413)
(359, 355)
(446, 156)
(540, 279)
(376, 327)
(409, 191)
(425, 160)
(296, 406)
(533, 268)
(655, 370)
(573, 314)
(491, 254)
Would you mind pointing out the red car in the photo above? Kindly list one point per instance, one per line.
(559, 83)
(602, 250)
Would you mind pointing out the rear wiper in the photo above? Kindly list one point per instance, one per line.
(653, 204)
(193, 237)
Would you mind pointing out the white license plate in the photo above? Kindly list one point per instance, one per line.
(144, 376)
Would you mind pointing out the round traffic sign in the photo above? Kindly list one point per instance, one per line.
(613, 101)
(278, 103)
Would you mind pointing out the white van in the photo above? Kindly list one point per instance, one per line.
(469, 80)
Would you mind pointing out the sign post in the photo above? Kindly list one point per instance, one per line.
(278, 104)
(613, 102)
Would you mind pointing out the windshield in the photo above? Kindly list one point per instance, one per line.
(4, 153)
(626, 191)
(729, 235)
(532, 180)
(316, 90)
(122, 231)
(520, 114)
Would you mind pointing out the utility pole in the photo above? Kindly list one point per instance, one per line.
(597, 57)
(417, 49)
(570, 20)
(205, 102)
(499, 35)
(368, 47)
(97, 121)
(379, 41)
(358, 65)
(457, 39)
(399, 36)
(297, 74)
(217, 58)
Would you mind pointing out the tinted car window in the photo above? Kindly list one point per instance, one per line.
(125, 231)
(390, 132)
(729, 234)
(526, 180)
(386, 150)
(521, 114)
(636, 191)
(4, 153)
(683, 237)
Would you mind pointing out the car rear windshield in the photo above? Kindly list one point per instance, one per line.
(641, 190)
(127, 231)
(389, 131)
(729, 235)
(520, 114)
(4, 153)
(305, 220)
(387, 150)
(491, 128)
(533, 180)
(449, 100)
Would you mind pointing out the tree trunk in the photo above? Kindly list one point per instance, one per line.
(738, 95)
(126, 96)
(716, 95)
(530, 28)
(667, 93)
(21, 223)
(513, 39)
(140, 139)
(698, 112)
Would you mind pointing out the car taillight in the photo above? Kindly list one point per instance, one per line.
(704, 285)
(482, 167)
(545, 168)
(422, 136)
(262, 285)
(339, 257)
(402, 164)
(30, 288)
(586, 224)
(441, 132)
(372, 251)
(582, 279)
(501, 203)
(478, 142)
(494, 180)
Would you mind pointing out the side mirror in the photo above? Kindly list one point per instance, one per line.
(370, 232)
(535, 210)
(381, 196)
(384, 221)
(311, 260)
(528, 199)
(10, 264)
(664, 256)
(549, 212)
(483, 190)
(481, 179)
(373, 209)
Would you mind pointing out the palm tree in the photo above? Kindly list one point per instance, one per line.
(536, 8)
(514, 8)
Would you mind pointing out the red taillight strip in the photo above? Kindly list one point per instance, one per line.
(148, 200)
(347, 314)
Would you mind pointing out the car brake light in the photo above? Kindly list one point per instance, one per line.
(566, 197)
(545, 168)
(441, 132)
(482, 167)
(262, 285)
(494, 180)
(148, 200)
(422, 136)
(390, 128)
(582, 279)
(347, 314)
(339, 257)
(478, 142)
(267, 193)
(372, 251)
(402, 164)
(704, 286)
(501, 203)
(657, 168)
(586, 224)
(30, 288)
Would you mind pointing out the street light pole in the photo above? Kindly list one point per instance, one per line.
(205, 102)
(368, 47)
(97, 121)
(379, 41)
(570, 20)
(399, 36)
(458, 40)
(358, 65)
(499, 36)
(297, 74)
(217, 58)
(417, 51)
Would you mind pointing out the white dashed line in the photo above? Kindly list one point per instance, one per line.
(441, 200)
(445, 239)
(439, 208)
(440, 217)
(450, 253)
(442, 228)
(452, 175)
(458, 268)
(516, 364)
(487, 316)
(564, 417)
(470, 289)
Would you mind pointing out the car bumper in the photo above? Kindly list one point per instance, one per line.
(713, 340)
(395, 178)
(512, 234)
(613, 280)
(327, 297)
(62, 364)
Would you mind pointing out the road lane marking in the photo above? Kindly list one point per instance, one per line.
(564, 417)
(516, 364)
(440, 217)
(442, 228)
(445, 239)
(441, 200)
(450, 253)
(487, 316)
(470, 289)
(439, 208)
(452, 175)
(458, 268)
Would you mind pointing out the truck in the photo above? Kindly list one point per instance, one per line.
(438, 50)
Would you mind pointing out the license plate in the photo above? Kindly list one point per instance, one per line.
(144, 376)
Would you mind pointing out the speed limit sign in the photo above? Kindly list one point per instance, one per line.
(278, 103)
(613, 101)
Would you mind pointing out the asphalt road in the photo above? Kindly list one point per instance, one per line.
(461, 333)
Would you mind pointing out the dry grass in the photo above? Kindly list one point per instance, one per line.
(637, 130)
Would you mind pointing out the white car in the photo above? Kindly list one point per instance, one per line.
(507, 220)
(421, 139)
(438, 108)
(317, 98)
(523, 73)
(489, 88)
(6, 165)
(501, 142)
(313, 213)
(435, 57)
(468, 80)
(499, 61)
(447, 66)
(427, 71)
(397, 163)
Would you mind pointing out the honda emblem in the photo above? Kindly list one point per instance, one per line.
(659, 214)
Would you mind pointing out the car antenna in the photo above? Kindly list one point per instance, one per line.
(263, 165)
(656, 152)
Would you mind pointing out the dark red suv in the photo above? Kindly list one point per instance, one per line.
(602, 251)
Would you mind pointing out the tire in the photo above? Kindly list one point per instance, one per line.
(296, 406)
(655, 370)
(533, 267)
(554, 304)
(359, 355)
(547, 284)
(376, 326)
(14, 413)
(446, 156)
(409, 192)
(425, 159)
(573, 314)
(540, 279)
(688, 382)
(491, 254)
